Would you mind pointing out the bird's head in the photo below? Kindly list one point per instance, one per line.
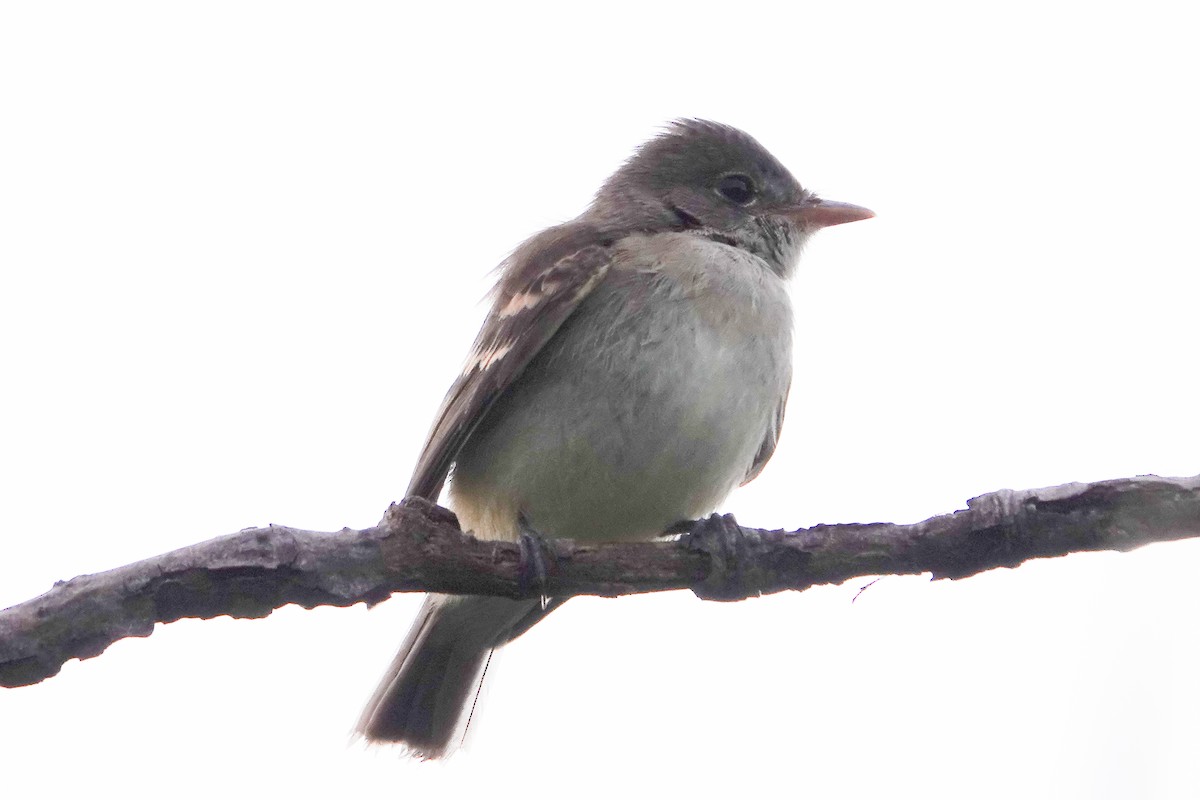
(719, 182)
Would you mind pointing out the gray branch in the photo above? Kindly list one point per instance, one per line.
(419, 547)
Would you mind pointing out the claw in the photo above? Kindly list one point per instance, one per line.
(535, 554)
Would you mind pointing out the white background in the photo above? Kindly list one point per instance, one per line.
(243, 246)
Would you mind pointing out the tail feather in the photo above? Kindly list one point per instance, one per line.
(424, 698)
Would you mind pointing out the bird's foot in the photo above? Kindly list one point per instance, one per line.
(728, 550)
(536, 555)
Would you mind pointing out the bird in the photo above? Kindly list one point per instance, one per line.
(633, 369)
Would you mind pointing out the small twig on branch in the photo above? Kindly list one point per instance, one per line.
(419, 547)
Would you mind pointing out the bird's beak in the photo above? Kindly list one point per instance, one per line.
(816, 213)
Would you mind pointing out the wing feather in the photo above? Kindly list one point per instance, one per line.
(535, 297)
(770, 440)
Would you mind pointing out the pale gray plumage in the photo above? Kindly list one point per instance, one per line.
(633, 371)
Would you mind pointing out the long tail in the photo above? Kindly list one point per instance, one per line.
(431, 685)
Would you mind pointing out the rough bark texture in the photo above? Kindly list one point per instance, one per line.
(419, 547)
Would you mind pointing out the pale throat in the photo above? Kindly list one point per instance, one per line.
(776, 242)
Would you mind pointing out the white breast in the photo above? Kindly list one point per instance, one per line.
(646, 409)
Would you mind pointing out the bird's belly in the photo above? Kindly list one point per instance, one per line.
(658, 429)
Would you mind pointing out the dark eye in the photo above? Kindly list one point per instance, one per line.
(738, 189)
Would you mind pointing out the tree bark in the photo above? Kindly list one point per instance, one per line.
(418, 547)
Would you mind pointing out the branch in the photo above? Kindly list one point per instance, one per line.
(418, 547)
